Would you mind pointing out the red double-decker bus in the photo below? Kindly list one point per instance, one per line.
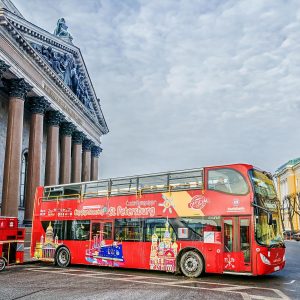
(222, 219)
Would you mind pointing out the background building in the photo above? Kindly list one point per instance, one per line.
(288, 186)
(50, 117)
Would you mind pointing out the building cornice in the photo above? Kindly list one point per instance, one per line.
(296, 167)
(288, 170)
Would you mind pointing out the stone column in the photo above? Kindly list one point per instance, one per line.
(51, 173)
(17, 89)
(95, 162)
(37, 107)
(66, 130)
(86, 160)
(78, 137)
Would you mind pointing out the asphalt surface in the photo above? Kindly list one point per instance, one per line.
(44, 281)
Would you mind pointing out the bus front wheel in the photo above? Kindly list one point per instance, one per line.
(2, 264)
(191, 264)
(62, 257)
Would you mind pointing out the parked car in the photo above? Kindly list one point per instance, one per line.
(296, 236)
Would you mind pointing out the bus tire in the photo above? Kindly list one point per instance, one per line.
(191, 264)
(62, 257)
(2, 264)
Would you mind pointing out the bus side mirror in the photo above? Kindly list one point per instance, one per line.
(269, 219)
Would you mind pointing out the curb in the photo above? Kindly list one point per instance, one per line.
(28, 262)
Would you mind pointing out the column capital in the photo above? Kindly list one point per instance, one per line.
(3, 68)
(67, 128)
(54, 118)
(87, 145)
(17, 87)
(96, 150)
(78, 137)
(37, 104)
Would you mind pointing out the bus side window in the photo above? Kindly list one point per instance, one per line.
(158, 227)
(95, 230)
(78, 230)
(107, 231)
(119, 233)
(128, 230)
(81, 233)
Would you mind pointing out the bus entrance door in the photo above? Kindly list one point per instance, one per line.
(102, 250)
(236, 242)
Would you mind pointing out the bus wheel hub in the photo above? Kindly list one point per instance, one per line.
(191, 264)
(63, 257)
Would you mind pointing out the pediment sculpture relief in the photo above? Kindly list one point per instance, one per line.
(67, 69)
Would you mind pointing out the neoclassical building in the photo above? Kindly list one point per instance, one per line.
(287, 178)
(51, 120)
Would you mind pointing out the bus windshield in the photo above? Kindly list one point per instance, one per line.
(266, 204)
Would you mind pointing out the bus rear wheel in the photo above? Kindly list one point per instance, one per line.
(62, 257)
(2, 264)
(191, 264)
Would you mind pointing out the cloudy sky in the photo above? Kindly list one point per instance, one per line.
(185, 84)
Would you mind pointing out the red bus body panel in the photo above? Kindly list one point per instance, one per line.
(11, 240)
(189, 203)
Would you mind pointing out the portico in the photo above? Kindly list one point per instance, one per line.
(48, 110)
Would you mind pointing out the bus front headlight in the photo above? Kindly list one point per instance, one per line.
(264, 259)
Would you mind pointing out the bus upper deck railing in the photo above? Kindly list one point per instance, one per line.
(138, 193)
(166, 182)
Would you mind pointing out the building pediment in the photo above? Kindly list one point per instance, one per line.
(61, 60)
(69, 70)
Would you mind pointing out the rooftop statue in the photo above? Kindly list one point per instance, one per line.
(61, 30)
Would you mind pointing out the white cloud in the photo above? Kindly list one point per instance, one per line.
(188, 83)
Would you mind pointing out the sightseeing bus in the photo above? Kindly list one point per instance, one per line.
(222, 219)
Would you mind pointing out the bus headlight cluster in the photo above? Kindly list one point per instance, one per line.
(264, 259)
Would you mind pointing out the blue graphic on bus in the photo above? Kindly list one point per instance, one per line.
(105, 255)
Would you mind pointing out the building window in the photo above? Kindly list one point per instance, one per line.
(24, 165)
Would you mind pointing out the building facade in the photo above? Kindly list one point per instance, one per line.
(287, 179)
(51, 121)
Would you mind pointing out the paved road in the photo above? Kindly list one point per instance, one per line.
(42, 281)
